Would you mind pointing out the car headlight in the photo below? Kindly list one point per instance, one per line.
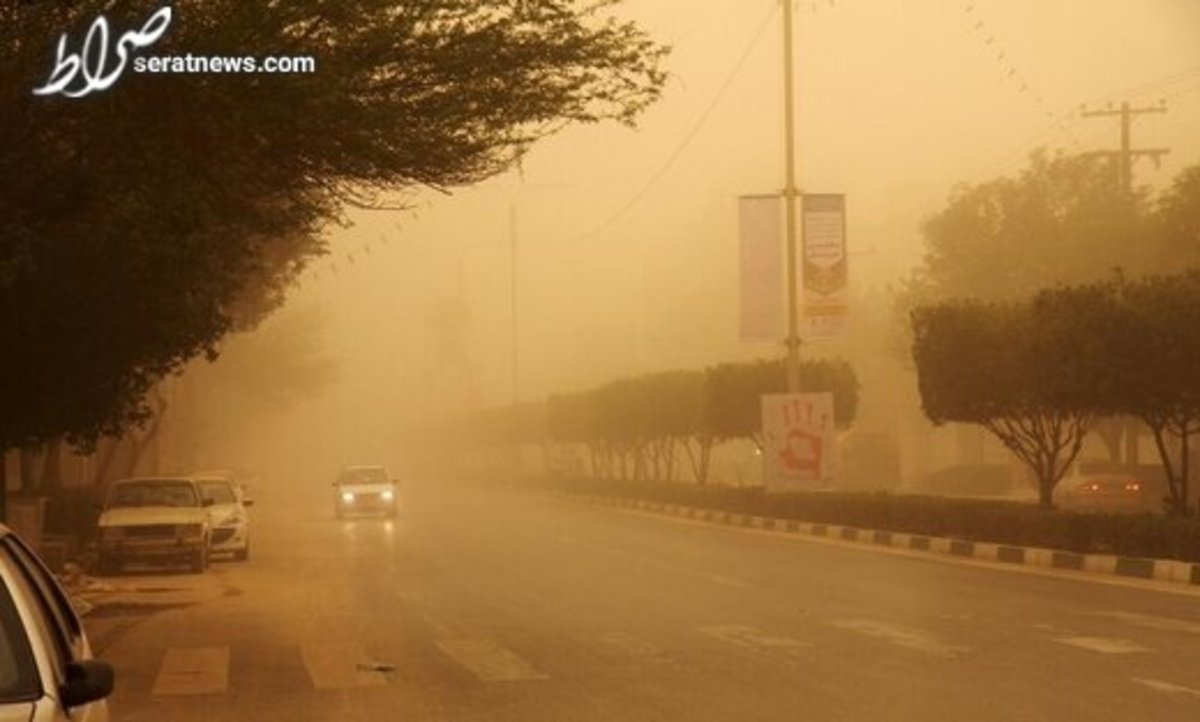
(233, 519)
(348, 496)
(388, 495)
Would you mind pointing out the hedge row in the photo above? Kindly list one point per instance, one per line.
(1000, 522)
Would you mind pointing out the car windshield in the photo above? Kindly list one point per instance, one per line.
(364, 475)
(218, 492)
(152, 493)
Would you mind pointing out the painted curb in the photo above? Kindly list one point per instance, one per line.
(1163, 570)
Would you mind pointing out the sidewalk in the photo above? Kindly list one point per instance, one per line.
(1162, 570)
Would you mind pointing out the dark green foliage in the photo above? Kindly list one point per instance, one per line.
(996, 522)
(140, 225)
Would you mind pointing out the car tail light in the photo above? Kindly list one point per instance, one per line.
(1133, 485)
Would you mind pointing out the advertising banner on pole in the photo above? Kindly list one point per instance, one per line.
(825, 276)
(761, 238)
(798, 441)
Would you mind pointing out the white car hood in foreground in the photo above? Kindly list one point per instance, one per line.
(138, 515)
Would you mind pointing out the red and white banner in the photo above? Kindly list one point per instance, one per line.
(760, 226)
(825, 269)
(799, 441)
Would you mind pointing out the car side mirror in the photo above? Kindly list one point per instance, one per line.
(247, 502)
(86, 681)
(206, 502)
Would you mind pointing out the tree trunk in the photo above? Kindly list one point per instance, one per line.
(52, 466)
(30, 456)
(1185, 507)
(1158, 431)
(145, 440)
(105, 455)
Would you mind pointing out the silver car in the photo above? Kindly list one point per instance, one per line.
(47, 672)
(226, 502)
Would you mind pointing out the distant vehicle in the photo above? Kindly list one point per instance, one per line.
(1103, 487)
(227, 515)
(47, 671)
(154, 520)
(364, 490)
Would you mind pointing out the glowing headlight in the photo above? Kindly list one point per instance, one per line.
(347, 497)
(388, 496)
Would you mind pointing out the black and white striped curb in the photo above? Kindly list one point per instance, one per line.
(1164, 570)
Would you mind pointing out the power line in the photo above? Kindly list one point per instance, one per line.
(691, 134)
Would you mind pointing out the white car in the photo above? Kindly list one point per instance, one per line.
(154, 520)
(364, 490)
(47, 672)
(226, 503)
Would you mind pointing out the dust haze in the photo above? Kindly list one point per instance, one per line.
(625, 240)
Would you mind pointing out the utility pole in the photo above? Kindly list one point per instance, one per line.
(1125, 157)
(1127, 154)
(789, 194)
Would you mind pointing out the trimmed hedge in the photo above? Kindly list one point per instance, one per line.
(1000, 522)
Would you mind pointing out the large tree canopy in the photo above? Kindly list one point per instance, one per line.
(139, 225)
(1014, 369)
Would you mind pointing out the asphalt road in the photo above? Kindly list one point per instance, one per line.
(491, 604)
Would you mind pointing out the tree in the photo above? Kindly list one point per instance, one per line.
(136, 226)
(734, 392)
(1155, 336)
(1015, 369)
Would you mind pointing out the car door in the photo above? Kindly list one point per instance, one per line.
(60, 631)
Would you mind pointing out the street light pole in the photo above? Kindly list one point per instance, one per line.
(512, 275)
(790, 193)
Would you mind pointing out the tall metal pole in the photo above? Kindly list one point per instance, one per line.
(512, 275)
(790, 193)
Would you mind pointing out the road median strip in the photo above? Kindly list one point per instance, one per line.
(1163, 570)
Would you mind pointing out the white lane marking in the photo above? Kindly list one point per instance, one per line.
(489, 661)
(727, 581)
(1169, 688)
(627, 644)
(901, 637)
(1104, 645)
(193, 670)
(1152, 622)
(340, 666)
(750, 638)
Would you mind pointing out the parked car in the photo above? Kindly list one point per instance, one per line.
(227, 515)
(47, 671)
(159, 520)
(364, 489)
(1103, 487)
